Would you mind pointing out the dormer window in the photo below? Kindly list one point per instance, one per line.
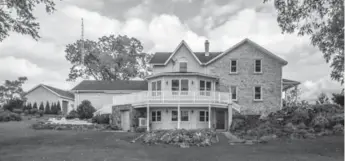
(183, 66)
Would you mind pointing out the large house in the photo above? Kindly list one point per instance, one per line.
(195, 89)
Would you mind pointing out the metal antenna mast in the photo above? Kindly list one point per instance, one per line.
(82, 41)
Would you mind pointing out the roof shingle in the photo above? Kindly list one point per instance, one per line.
(61, 92)
(161, 57)
(112, 85)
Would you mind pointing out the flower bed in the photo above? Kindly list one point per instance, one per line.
(52, 126)
(183, 138)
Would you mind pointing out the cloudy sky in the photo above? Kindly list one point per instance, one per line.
(160, 25)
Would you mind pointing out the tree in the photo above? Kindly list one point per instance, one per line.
(338, 98)
(323, 20)
(29, 106)
(58, 108)
(85, 110)
(48, 110)
(34, 106)
(41, 107)
(14, 104)
(322, 99)
(292, 96)
(17, 16)
(12, 90)
(109, 58)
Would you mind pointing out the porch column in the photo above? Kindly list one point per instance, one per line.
(229, 116)
(148, 117)
(178, 116)
(209, 116)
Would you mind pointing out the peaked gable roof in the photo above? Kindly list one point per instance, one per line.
(111, 85)
(162, 58)
(56, 91)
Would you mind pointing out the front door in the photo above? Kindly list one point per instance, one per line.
(220, 119)
(125, 120)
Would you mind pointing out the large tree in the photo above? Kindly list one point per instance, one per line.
(17, 16)
(109, 58)
(323, 20)
(12, 90)
(322, 99)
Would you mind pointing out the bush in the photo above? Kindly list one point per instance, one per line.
(47, 110)
(85, 110)
(13, 104)
(35, 106)
(33, 111)
(58, 107)
(54, 110)
(40, 112)
(17, 111)
(6, 116)
(101, 119)
(41, 106)
(72, 115)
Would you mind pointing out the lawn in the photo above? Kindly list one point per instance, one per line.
(18, 142)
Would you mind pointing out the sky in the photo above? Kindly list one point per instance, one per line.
(160, 25)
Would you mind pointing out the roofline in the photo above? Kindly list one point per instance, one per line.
(253, 43)
(105, 91)
(174, 52)
(174, 74)
(44, 86)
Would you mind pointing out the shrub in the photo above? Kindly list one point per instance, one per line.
(85, 110)
(47, 110)
(58, 108)
(17, 111)
(13, 104)
(41, 107)
(6, 116)
(35, 106)
(72, 115)
(33, 111)
(29, 106)
(26, 112)
(101, 119)
(40, 112)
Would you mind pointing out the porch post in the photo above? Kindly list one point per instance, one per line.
(148, 117)
(178, 116)
(209, 116)
(229, 116)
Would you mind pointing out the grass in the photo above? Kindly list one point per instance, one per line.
(19, 142)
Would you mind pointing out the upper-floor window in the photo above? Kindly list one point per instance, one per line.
(233, 92)
(183, 66)
(257, 93)
(233, 66)
(156, 87)
(205, 87)
(175, 86)
(258, 66)
(184, 87)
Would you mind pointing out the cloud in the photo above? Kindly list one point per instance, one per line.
(18, 67)
(311, 89)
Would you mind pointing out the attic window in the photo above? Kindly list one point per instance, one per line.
(183, 66)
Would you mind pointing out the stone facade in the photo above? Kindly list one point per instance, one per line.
(245, 80)
(115, 119)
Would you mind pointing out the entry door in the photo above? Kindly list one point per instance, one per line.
(220, 120)
(125, 120)
(64, 107)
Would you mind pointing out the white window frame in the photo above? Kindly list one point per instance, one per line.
(172, 115)
(206, 115)
(187, 113)
(205, 92)
(179, 65)
(156, 92)
(260, 66)
(260, 93)
(180, 92)
(156, 115)
(236, 89)
(231, 72)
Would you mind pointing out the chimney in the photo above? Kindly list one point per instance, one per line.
(207, 47)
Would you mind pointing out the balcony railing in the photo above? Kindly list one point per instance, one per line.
(187, 97)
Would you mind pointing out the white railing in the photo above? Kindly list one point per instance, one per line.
(173, 97)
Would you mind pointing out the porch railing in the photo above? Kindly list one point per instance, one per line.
(173, 97)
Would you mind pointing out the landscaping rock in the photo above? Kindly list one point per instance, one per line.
(267, 138)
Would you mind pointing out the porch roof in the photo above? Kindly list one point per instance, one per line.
(287, 84)
(181, 74)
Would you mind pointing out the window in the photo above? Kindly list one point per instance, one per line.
(233, 66)
(156, 116)
(257, 93)
(203, 116)
(175, 86)
(184, 116)
(205, 87)
(202, 85)
(258, 66)
(233, 92)
(156, 87)
(173, 115)
(184, 87)
(183, 66)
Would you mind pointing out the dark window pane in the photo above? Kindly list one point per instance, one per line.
(257, 93)
(202, 115)
(183, 66)
(208, 86)
(184, 85)
(173, 115)
(184, 116)
(153, 116)
(202, 85)
(159, 85)
(233, 92)
(257, 65)
(206, 115)
(175, 85)
(233, 66)
(153, 86)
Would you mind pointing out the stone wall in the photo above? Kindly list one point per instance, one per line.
(115, 118)
(246, 79)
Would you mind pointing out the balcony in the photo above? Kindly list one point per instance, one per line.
(173, 97)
